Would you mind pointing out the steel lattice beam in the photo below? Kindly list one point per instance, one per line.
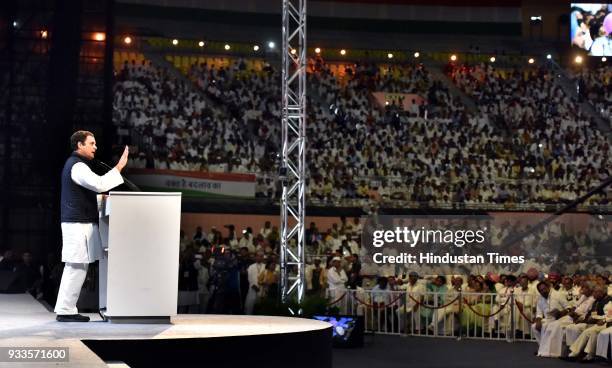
(292, 166)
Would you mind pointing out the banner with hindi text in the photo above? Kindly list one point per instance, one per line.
(195, 183)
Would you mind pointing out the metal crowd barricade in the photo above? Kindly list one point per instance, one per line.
(485, 315)
(450, 314)
(432, 314)
(498, 316)
(382, 311)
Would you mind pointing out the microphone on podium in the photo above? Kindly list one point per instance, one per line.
(133, 187)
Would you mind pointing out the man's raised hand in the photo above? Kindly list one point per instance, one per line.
(123, 159)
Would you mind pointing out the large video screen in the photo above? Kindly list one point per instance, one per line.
(591, 28)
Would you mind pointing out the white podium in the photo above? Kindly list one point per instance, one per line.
(140, 234)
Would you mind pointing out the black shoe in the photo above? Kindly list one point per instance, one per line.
(71, 318)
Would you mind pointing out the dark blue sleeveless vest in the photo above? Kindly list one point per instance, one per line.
(78, 204)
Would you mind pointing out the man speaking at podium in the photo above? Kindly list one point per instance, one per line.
(81, 243)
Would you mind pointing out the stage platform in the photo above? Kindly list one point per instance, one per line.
(191, 340)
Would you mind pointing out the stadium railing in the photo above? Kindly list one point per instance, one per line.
(452, 314)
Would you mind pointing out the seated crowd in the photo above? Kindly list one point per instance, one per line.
(561, 292)
(156, 110)
(435, 153)
(595, 86)
(550, 139)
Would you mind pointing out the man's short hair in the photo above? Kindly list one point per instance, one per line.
(540, 284)
(79, 136)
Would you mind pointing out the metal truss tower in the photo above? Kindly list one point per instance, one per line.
(292, 171)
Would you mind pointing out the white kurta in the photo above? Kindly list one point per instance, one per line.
(81, 242)
(551, 342)
(253, 272)
(603, 342)
(336, 280)
(416, 292)
(605, 337)
(336, 284)
(587, 340)
(544, 308)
